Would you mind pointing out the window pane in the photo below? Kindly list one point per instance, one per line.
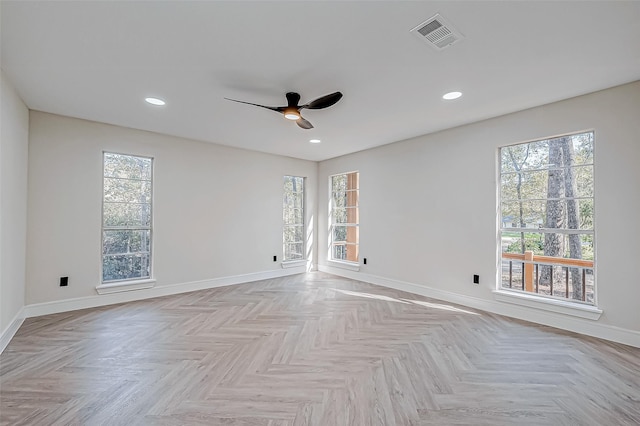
(127, 166)
(120, 214)
(529, 156)
(351, 254)
(298, 216)
(353, 234)
(548, 184)
(353, 215)
(524, 185)
(293, 217)
(339, 183)
(339, 252)
(583, 148)
(344, 216)
(340, 215)
(126, 203)
(584, 181)
(516, 242)
(566, 214)
(534, 184)
(293, 234)
(297, 184)
(294, 251)
(288, 183)
(339, 233)
(351, 198)
(554, 244)
(127, 191)
(525, 214)
(126, 241)
(295, 200)
(348, 234)
(585, 208)
(353, 180)
(339, 199)
(122, 267)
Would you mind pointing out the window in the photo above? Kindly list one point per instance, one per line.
(547, 212)
(344, 216)
(293, 219)
(126, 217)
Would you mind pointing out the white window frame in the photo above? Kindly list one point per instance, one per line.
(562, 305)
(287, 262)
(112, 286)
(348, 264)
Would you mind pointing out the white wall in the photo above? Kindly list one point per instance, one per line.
(217, 210)
(428, 212)
(14, 138)
(428, 208)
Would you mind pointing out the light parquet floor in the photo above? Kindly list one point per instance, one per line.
(311, 349)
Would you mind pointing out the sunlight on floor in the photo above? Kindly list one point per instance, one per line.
(406, 301)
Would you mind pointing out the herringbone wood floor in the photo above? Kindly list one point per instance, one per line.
(311, 349)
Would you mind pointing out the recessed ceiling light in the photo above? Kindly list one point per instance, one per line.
(315, 140)
(155, 101)
(451, 95)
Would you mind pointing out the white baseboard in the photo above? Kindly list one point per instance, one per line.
(11, 330)
(47, 308)
(551, 319)
(578, 325)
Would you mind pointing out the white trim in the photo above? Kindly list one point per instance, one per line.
(11, 329)
(293, 263)
(351, 266)
(547, 304)
(47, 308)
(125, 286)
(526, 313)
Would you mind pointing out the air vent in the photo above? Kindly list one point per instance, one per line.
(437, 32)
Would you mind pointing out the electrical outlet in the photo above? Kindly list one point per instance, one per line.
(64, 281)
(364, 260)
(476, 279)
(275, 258)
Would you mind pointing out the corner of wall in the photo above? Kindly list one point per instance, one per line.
(14, 147)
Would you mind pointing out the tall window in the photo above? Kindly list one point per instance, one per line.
(293, 218)
(344, 216)
(547, 226)
(126, 217)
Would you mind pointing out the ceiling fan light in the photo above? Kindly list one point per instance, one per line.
(291, 114)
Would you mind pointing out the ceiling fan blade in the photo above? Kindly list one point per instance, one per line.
(277, 109)
(323, 101)
(304, 123)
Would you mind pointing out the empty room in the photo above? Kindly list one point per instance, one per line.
(319, 213)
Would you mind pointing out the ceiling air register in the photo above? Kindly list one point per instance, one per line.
(437, 32)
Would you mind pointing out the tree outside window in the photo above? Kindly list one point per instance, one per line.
(345, 216)
(547, 223)
(126, 217)
(293, 218)
(547, 217)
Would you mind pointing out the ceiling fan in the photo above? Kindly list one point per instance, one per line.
(292, 110)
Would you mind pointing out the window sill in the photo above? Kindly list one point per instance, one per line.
(293, 263)
(552, 305)
(352, 266)
(120, 286)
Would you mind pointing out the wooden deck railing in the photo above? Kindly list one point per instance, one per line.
(531, 264)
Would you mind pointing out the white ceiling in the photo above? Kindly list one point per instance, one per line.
(99, 60)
